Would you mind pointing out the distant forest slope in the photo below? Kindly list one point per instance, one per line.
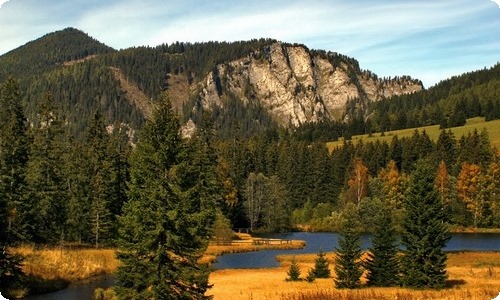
(449, 103)
(478, 123)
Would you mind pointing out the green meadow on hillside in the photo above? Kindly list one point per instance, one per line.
(492, 127)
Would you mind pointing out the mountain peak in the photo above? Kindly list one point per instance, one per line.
(49, 51)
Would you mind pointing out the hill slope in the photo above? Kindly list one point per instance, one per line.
(49, 52)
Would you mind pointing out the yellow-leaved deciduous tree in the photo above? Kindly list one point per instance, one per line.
(358, 183)
(468, 187)
(442, 183)
(394, 185)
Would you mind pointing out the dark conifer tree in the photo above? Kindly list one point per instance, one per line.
(99, 173)
(14, 149)
(382, 264)
(294, 271)
(47, 196)
(165, 225)
(13, 160)
(321, 266)
(425, 232)
(348, 265)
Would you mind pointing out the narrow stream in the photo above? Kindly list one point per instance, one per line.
(83, 290)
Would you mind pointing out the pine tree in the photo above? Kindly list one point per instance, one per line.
(382, 264)
(14, 148)
(294, 271)
(99, 178)
(425, 232)
(13, 160)
(168, 218)
(321, 266)
(45, 178)
(348, 265)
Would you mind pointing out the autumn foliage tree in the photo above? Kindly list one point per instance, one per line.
(468, 186)
(358, 183)
(394, 185)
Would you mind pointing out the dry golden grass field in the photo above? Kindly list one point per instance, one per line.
(67, 264)
(472, 276)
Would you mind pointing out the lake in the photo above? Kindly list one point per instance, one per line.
(329, 241)
(267, 258)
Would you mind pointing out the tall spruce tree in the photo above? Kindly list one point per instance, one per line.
(348, 265)
(98, 174)
(167, 219)
(425, 232)
(47, 196)
(382, 264)
(14, 149)
(13, 159)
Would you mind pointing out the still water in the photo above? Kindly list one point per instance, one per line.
(329, 241)
(266, 259)
(83, 290)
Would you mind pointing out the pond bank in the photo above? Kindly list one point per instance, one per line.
(247, 243)
(50, 269)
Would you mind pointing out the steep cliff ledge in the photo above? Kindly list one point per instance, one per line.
(296, 85)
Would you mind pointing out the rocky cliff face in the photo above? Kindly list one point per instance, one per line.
(296, 85)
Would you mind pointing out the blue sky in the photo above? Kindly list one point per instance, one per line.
(428, 40)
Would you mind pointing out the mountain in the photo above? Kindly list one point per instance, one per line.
(50, 52)
(296, 85)
(243, 87)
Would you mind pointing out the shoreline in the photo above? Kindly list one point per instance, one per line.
(248, 243)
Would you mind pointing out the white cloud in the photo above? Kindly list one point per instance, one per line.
(497, 2)
(2, 2)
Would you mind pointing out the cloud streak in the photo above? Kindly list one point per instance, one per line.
(429, 40)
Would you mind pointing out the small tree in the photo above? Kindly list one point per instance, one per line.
(321, 266)
(383, 263)
(348, 264)
(222, 232)
(294, 271)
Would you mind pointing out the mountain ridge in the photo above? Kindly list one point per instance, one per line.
(249, 85)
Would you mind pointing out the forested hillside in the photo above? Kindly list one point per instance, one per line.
(449, 103)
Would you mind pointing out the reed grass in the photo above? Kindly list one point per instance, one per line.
(472, 275)
(49, 263)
